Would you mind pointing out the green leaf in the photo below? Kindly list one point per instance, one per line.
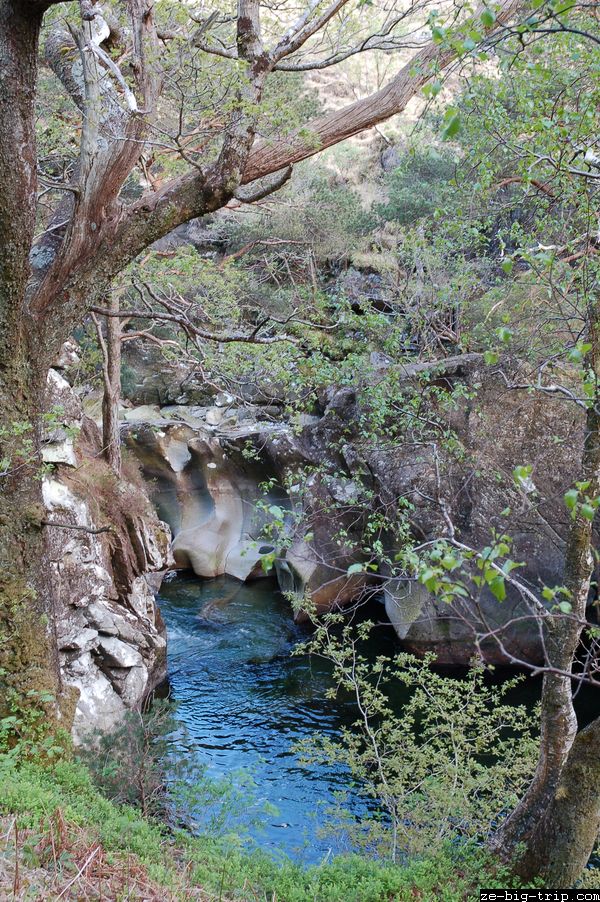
(452, 128)
(571, 498)
(565, 607)
(497, 588)
(432, 88)
(488, 17)
(355, 568)
(267, 562)
(429, 579)
(588, 511)
(450, 562)
(490, 357)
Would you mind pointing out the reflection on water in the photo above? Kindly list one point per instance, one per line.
(245, 700)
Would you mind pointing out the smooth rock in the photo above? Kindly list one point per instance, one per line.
(117, 653)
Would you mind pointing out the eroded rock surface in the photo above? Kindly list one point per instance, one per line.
(208, 488)
(107, 548)
(208, 492)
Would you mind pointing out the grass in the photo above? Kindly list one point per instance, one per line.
(61, 839)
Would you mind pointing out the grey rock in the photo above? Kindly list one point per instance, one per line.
(117, 653)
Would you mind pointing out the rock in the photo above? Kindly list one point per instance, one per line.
(101, 618)
(344, 491)
(224, 399)
(380, 361)
(133, 684)
(58, 445)
(60, 452)
(390, 158)
(211, 502)
(207, 489)
(81, 640)
(244, 560)
(62, 400)
(99, 706)
(105, 611)
(147, 413)
(404, 603)
(193, 415)
(117, 653)
(214, 416)
(68, 356)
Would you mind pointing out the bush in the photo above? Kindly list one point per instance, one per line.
(441, 767)
(419, 185)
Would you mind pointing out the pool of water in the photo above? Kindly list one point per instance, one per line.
(245, 700)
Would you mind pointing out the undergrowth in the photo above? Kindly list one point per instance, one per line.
(63, 840)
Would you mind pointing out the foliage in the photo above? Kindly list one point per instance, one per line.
(148, 762)
(25, 731)
(444, 765)
(420, 185)
(183, 864)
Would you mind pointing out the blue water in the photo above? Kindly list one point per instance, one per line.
(245, 700)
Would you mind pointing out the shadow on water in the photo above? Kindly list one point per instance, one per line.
(245, 700)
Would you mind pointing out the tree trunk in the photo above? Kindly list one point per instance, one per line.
(111, 350)
(552, 832)
(29, 669)
(560, 844)
(28, 653)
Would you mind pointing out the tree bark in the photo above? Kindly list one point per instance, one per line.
(564, 794)
(28, 653)
(560, 843)
(111, 370)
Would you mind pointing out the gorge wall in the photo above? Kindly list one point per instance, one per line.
(107, 551)
(207, 466)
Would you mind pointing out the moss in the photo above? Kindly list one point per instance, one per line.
(26, 661)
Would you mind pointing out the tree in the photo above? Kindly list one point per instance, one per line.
(108, 60)
(549, 252)
(530, 143)
(111, 380)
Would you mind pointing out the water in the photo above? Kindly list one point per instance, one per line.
(245, 701)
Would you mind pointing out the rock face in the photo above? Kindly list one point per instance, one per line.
(208, 491)
(208, 488)
(499, 429)
(107, 550)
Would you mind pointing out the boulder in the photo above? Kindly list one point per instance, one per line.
(209, 493)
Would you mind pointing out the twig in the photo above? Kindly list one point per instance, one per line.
(93, 532)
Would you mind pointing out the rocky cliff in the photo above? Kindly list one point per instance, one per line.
(208, 465)
(108, 550)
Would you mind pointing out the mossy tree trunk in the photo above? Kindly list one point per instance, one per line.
(553, 830)
(28, 655)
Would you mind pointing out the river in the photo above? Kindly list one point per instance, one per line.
(245, 700)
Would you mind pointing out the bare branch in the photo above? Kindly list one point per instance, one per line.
(303, 28)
